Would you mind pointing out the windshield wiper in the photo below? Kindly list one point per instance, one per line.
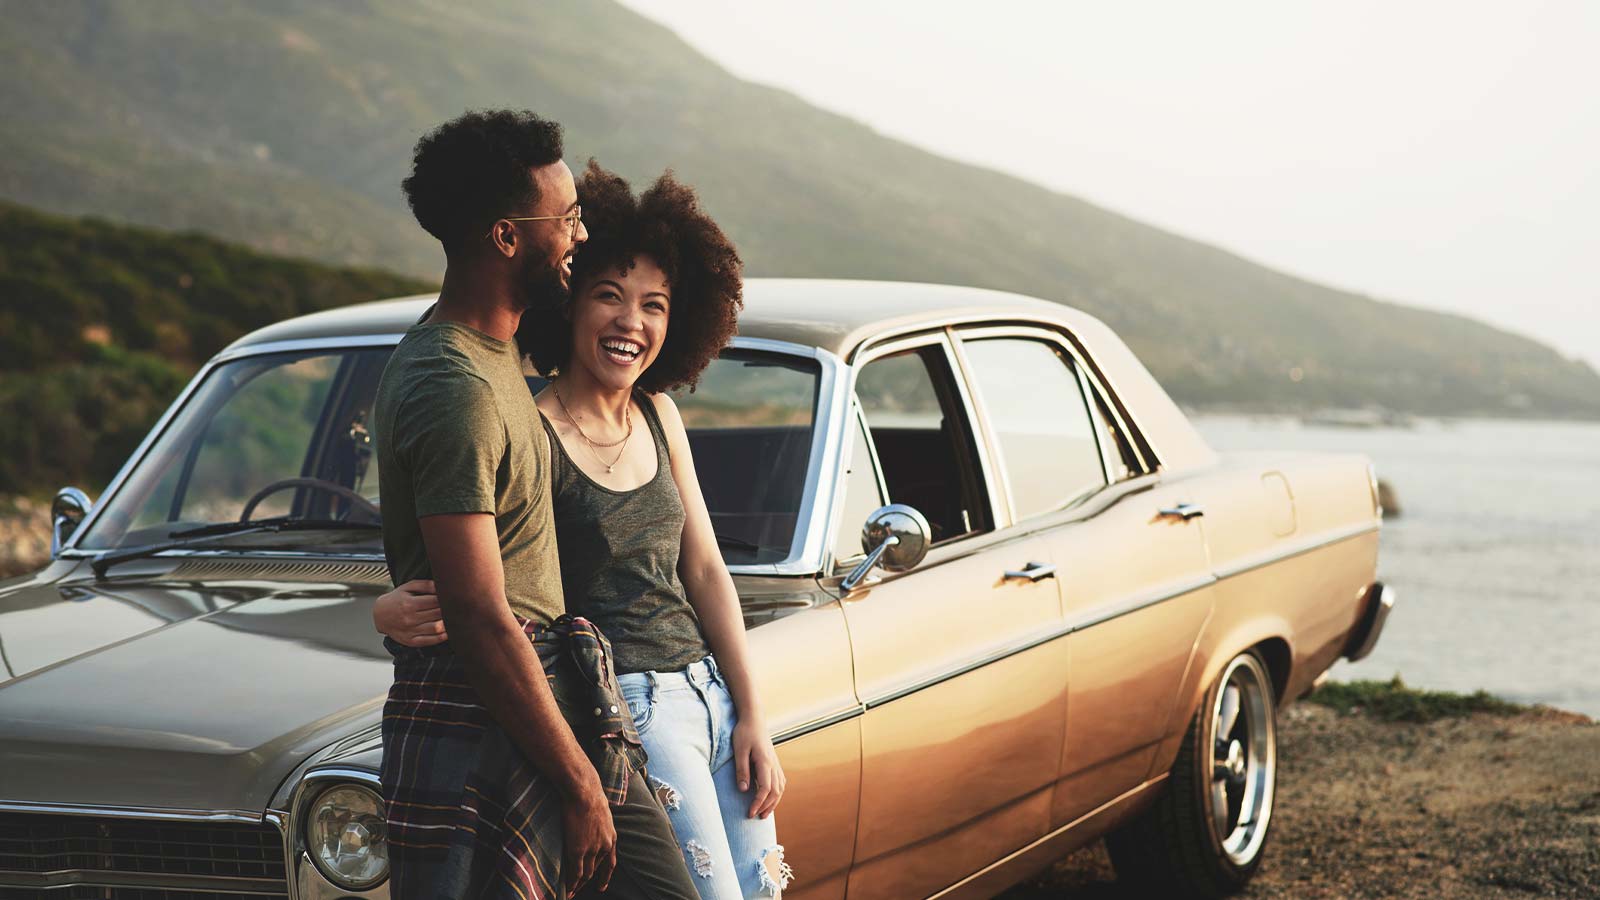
(191, 537)
(274, 523)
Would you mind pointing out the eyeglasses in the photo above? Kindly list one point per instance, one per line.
(572, 219)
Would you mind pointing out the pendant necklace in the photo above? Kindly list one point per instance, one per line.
(627, 416)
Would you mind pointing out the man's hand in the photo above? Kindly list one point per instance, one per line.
(754, 756)
(410, 614)
(589, 839)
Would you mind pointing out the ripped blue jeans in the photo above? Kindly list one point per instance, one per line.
(685, 720)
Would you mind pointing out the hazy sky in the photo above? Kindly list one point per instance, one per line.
(1442, 154)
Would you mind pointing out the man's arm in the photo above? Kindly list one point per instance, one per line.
(464, 552)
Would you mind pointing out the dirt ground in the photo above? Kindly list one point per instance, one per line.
(1486, 806)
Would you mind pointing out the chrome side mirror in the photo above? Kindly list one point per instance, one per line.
(895, 537)
(66, 511)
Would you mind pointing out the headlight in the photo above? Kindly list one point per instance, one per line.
(347, 836)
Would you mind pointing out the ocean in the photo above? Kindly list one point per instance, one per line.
(1495, 555)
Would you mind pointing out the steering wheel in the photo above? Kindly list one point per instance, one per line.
(316, 484)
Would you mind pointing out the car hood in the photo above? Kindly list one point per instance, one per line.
(195, 685)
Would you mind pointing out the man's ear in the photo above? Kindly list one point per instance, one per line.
(504, 237)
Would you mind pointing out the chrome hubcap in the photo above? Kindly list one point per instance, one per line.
(1244, 759)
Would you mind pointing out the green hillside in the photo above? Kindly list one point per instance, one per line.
(289, 125)
(101, 325)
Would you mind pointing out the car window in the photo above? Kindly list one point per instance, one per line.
(924, 445)
(253, 423)
(860, 494)
(1035, 405)
(750, 423)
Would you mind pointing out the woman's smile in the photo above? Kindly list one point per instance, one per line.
(622, 351)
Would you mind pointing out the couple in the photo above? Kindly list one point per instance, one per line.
(572, 729)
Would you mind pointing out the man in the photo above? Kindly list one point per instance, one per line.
(511, 767)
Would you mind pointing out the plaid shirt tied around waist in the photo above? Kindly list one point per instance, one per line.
(468, 814)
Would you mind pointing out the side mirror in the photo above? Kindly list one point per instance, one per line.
(895, 537)
(66, 511)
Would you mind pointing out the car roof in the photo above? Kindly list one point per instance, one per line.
(835, 315)
(840, 316)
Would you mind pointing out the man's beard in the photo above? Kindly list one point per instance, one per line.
(544, 290)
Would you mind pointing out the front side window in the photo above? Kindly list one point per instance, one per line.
(919, 428)
(1034, 401)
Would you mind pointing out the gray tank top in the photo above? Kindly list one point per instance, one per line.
(619, 559)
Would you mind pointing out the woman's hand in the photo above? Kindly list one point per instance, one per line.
(755, 760)
(410, 614)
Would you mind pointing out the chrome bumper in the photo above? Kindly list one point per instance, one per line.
(1379, 601)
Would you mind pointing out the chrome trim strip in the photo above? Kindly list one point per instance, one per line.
(995, 481)
(1097, 616)
(135, 812)
(805, 728)
(1298, 548)
(348, 342)
(146, 881)
(1101, 614)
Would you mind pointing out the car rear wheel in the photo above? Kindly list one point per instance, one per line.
(1206, 834)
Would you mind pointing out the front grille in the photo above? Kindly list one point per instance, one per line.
(101, 849)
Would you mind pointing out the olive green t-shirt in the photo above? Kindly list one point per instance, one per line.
(457, 432)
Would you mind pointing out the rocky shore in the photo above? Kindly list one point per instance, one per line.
(1487, 805)
(24, 535)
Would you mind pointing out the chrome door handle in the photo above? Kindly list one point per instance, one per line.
(1184, 511)
(1032, 572)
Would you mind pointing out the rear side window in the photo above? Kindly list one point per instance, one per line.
(1036, 407)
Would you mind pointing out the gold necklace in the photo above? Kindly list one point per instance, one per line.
(627, 416)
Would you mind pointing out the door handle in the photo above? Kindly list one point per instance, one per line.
(1032, 572)
(1184, 511)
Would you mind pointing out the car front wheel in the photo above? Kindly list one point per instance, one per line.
(1206, 834)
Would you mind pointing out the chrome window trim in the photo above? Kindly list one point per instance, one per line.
(1086, 382)
(818, 494)
(997, 514)
(1142, 448)
(832, 560)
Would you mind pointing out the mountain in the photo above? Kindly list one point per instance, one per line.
(101, 325)
(289, 126)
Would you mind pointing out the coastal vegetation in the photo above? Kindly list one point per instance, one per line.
(288, 126)
(102, 324)
(1395, 701)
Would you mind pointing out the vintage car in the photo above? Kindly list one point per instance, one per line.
(1003, 600)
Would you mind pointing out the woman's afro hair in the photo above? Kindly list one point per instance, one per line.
(702, 267)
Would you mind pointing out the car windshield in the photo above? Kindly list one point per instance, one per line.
(288, 435)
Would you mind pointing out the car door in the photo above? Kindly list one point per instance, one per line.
(1135, 583)
(960, 739)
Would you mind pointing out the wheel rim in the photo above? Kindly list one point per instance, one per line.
(1243, 759)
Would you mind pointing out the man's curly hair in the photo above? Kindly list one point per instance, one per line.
(702, 267)
(474, 169)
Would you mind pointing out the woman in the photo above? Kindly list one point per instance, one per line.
(638, 554)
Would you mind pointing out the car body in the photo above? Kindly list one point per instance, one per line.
(1014, 675)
